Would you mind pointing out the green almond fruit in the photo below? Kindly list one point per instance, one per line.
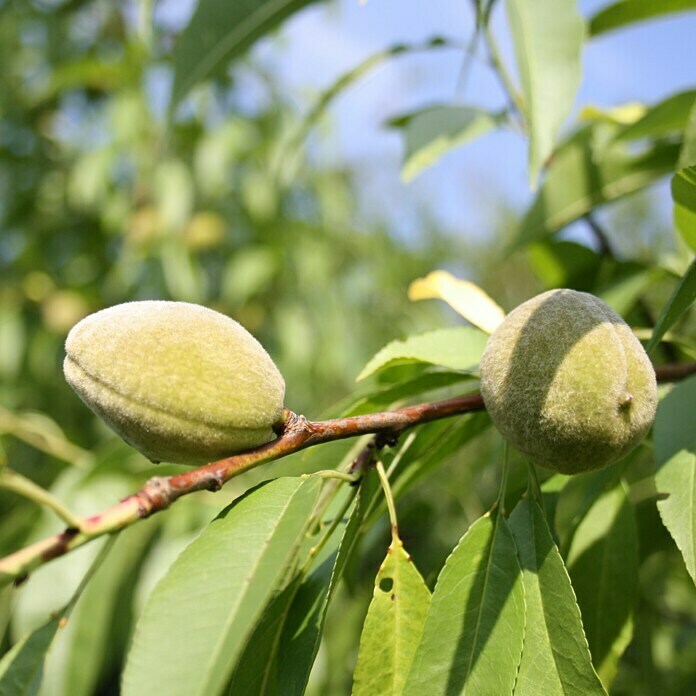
(567, 383)
(177, 381)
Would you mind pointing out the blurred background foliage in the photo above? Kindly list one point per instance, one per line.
(103, 201)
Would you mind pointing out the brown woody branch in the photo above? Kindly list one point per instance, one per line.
(296, 433)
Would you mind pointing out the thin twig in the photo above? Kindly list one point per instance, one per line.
(391, 507)
(12, 481)
(297, 433)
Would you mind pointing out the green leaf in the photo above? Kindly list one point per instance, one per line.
(98, 626)
(603, 567)
(279, 655)
(682, 298)
(555, 656)
(431, 133)
(418, 386)
(630, 11)
(457, 348)
(579, 495)
(684, 196)
(432, 445)
(685, 222)
(472, 639)
(675, 458)
(628, 282)
(220, 31)
(666, 118)
(200, 615)
(21, 668)
(687, 156)
(587, 171)
(564, 264)
(393, 626)
(302, 635)
(548, 38)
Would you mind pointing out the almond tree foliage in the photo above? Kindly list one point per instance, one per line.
(440, 561)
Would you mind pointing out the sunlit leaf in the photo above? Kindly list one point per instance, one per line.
(555, 658)
(93, 635)
(626, 12)
(564, 264)
(666, 118)
(603, 567)
(684, 196)
(418, 386)
(393, 626)
(431, 133)
(682, 298)
(463, 296)
(548, 36)
(279, 655)
(220, 31)
(472, 639)
(200, 615)
(687, 156)
(284, 163)
(21, 668)
(587, 171)
(630, 281)
(675, 457)
(457, 348)
(624, 114)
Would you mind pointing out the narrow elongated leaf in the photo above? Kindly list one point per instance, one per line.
(684, 196)
(603, 567)
(626, 12)
(256, 670)
(675, 457)
(457, 348)
(682, 298)
(21, 668)
(586, 172)
(629, 282)
(279, 655)
(424, 459)
(218, 32)
(431, 133)
(418, 386)
(687, 156)
(305, 623)
(666, 118)
(98, 627)
(548, 36)
(579, 495)
(393, 626)
(202, 612)
(94, 634)
(556, 660)
(564, 264)
(472, 639)
(463, 296)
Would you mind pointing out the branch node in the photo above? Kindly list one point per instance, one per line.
(216, 482)
(157, 495)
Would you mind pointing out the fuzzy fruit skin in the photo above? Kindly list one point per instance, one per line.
(567, 383)
(177, 381)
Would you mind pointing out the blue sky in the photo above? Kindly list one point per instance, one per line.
(464, 191)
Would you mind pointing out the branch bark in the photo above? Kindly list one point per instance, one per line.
(297, 433)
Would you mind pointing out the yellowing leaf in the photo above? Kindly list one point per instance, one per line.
(624, 114)
(464, 297)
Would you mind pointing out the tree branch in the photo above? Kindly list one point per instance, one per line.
(296, 433)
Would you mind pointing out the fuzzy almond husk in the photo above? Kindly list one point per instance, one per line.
(177, 381)
(567, 383)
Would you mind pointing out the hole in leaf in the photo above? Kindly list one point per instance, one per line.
(385, 584)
